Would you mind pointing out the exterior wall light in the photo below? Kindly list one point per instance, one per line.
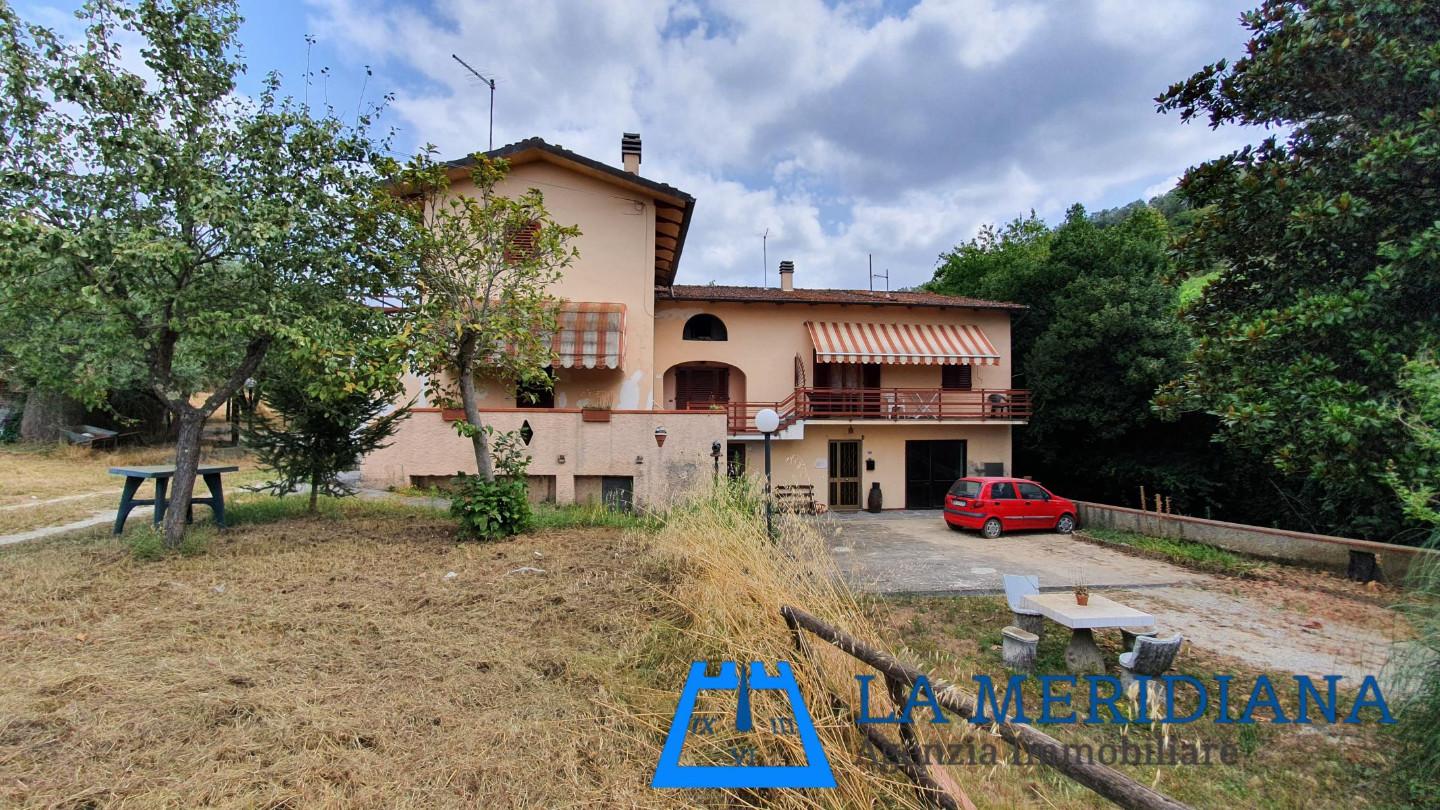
(660, 435)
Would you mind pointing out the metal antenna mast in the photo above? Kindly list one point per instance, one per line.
(874, 275)
(491, 83)
(765, 258)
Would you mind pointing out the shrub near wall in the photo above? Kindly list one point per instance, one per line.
(491, 510)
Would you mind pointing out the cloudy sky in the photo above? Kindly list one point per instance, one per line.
(892, 128)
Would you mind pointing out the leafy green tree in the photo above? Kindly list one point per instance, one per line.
(1102, 333)
(1010, 263)
(160, 230)
(1417, 479)
(1112, 340)
(486, 265)
(1328, 234)
(333, 400)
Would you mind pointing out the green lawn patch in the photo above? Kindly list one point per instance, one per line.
(1197, 556)
(549, 516)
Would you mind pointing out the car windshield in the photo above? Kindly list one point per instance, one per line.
(965, 489)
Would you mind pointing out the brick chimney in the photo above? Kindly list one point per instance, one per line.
(787, 275)
(630, 152)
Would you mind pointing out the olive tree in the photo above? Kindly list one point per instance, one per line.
(160, 229)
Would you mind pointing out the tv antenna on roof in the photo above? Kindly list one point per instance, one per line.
(491, 83)
(874, 275)
(765, 258)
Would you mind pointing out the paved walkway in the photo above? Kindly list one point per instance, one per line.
(915, 552)
(97, 519)
(1272, 625)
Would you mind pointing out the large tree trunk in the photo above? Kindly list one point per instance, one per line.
(187, 460)
(478, 439)
(45, 413)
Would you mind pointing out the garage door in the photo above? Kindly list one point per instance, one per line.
(930, 468)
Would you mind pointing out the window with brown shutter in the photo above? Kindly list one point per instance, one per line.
(955, 378)
(701, 386)
(522, 242)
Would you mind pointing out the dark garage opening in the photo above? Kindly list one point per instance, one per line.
(931, 466)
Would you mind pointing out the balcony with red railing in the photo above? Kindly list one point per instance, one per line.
(899, 405)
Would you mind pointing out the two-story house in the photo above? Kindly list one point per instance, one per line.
(656, 384)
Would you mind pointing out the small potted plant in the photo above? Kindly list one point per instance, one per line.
(1082, 595)
(597, 412)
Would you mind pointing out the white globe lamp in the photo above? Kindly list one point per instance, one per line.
(767, 420)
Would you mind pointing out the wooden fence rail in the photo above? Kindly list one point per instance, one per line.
(1106, 781)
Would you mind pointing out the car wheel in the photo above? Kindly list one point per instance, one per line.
(1066, 524)
(991, 529)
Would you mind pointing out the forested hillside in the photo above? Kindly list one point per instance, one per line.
(1259, 345)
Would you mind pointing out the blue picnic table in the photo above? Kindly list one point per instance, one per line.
(161, 475)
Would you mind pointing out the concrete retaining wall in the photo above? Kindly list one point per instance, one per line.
(1317, 550)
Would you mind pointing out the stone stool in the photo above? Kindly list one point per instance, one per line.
(1032, 623)
(1018, 649)
(1152, 656)
(1128, 636)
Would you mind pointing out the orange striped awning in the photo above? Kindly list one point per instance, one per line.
(902, 344)
(589, 335)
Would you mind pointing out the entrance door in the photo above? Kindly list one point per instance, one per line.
(845, 389)
(844, 474)
(931, 466)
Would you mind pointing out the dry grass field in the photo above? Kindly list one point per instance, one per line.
(358, 659)
(54, 484)
(364, 658)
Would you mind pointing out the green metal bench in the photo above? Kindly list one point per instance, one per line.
(161, 474)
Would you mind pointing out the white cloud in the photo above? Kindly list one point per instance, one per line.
(845, 130)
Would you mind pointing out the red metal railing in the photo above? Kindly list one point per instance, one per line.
(887, 404)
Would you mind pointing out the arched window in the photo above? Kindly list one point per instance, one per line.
(705, 327)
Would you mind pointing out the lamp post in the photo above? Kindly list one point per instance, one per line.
(715, 454)
(768, 421)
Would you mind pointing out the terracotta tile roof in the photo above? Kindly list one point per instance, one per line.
(512, 149)
(770, 295)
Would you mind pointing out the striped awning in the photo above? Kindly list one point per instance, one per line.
(589, 335)
(902, 344)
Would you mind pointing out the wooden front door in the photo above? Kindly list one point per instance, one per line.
(701, 386)
(844, 474)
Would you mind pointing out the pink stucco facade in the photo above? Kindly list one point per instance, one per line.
(568, 456)
(632, 236)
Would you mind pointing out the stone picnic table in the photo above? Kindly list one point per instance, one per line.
(1081, 654)
(161, 474)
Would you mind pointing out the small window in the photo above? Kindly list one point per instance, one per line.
(1030, 492)
(1002, 491)
(955, 378)
(705, 327)
(523, 242)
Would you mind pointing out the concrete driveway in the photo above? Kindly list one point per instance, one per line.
(915, 552)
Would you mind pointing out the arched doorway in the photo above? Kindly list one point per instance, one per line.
(698, 384)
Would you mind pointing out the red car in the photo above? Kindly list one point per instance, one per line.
(996, 505)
